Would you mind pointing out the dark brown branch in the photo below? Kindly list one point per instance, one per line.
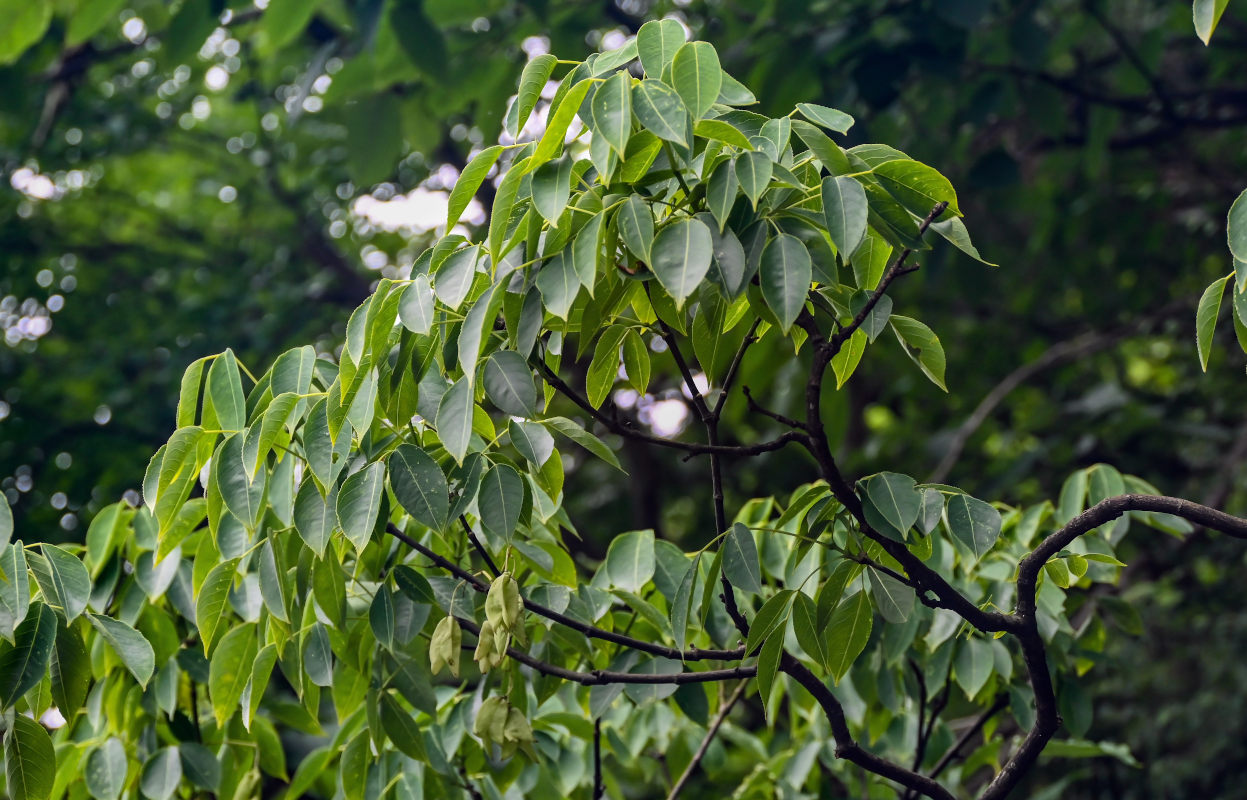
(602, 677)
(705, 742)
(479, 548)
(758, 408)
(692, 654)
(749, 339)
(599, 785)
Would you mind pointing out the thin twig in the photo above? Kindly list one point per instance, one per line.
(705, 742)
(1002, 700)
(599, 785)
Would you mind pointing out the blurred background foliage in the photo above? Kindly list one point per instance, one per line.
(181, 177)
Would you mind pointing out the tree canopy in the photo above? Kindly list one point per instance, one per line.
(223, 184)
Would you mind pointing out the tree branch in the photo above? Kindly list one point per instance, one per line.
(705, 742)
(948, 758)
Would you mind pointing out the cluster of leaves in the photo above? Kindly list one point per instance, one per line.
(311, 550)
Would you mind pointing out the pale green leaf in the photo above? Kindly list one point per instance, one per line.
(630, 560)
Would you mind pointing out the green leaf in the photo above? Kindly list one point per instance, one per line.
(848, 630)
(415, 309)
(722, 131)
(454, 418)
(754, 171)
(470, 180)
(768, 667)
(509, 384)
(922, 346)
(212, 601)
(657, 42)
(29, 760)
(551, 187)
(829, 118)
(161, 774)
(586, 251)
(844, 363)
(659, 108)
(69, 670)
(604, 368)
(636, 361)
(630, 560)
(611, 110)
(769, 619)
(697, 76)
(559, 284)
(891, 503)
(681, 257)
(359, 503)
(88, 18)
(532, 81)
(954, 232)
(740, 559)
(973, 523)
(454, 277)
(129, 645)
(6, 520)
(63, 579)
(1206, 14)
(224, 406)
(824, 149)
(551, 143)
(973, 665)
(315, 517)
(894, 599)
(681, 604)
(580, 436)
(721, 191)
(283, 21)
(636, 227)
(785, 275)
(1206, 314)
(230, 670)
(805, 626)
(106, 768)
(23, 665)
(845, 210)
(500, 500)
(420, 486)
(402, 729)
(24, 24)
(14, 590)
(919, 188)
(243, 496)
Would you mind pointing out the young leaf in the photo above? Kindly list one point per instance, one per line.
(657, 43)
(551, 143)
(630, 561)
(740, 559)
(681, 257)
(1206, 314)
(785, 274)
(847, 633)
(419, 486)
(697, 76)
(845, 211)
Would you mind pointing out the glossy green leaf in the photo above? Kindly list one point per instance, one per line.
(469, 181)
(23, 664)
(243, 496)
(315, 517)
(754, 171)
(844, 363)
(630, 560)
(559, 284)
(604, 368)
(740, 559)
(681, 257)
(659, 108)
(29, 760)
(954, 232)
(161, 774)
(402, 729)
(211, 602)
(636, 361)
(500, 500)
(722, 131)
(420, 486)
(973, 523)
(454, 418)
(551, 188)
(657, 43)
(130, 646)
(509, 384)
(636, 227)
(845, 212)
(721, 191)
(697, 76)
(415, 310)
(922, 346)
(917, 186)
(454, 277)
(223, 396)
(891, 503)
(230, 670)
(848, 630)
(612, 111)
(69, 670)
(586, 251)
(63, 580)
(532, 81)
(359, 503)
(829, 118)
(785, 274)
